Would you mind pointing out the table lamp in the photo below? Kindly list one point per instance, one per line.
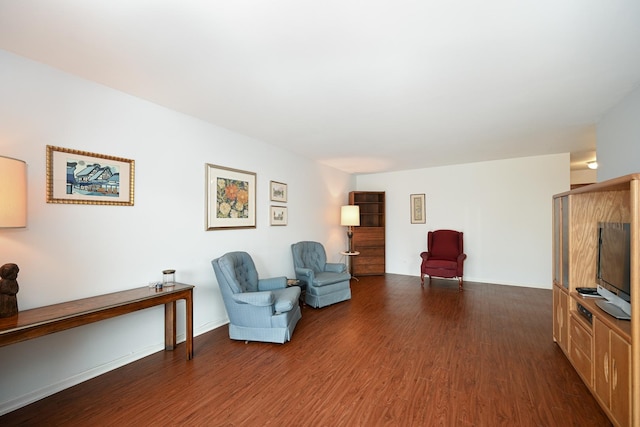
(350, 217)
(13, 214)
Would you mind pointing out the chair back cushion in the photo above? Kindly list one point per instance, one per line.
(239, 272)
(309, 255)
(445, 244)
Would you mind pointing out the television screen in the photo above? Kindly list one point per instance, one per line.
(614, 258)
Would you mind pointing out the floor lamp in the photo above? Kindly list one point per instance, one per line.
(350, 217)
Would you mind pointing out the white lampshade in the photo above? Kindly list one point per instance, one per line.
(13, 193)
(350, 215)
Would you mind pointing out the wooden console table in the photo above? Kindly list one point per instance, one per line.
(46, 320)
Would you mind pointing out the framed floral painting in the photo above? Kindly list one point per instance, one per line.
(230, 198)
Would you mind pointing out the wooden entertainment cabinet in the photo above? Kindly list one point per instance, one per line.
(603, 350)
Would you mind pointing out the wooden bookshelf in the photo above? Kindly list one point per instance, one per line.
(369, 237)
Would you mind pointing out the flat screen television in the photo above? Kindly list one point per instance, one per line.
(613, 271)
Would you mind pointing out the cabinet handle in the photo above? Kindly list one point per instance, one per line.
(614, 374)
(560, 316)
(606, 367)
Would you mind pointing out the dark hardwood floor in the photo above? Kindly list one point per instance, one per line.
(397, 354)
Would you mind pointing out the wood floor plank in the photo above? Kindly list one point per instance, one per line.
(396, 354)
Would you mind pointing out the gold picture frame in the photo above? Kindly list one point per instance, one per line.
(230, 198)
(80, 177)
(418, 209)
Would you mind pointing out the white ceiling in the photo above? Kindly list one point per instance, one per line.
(364, 86)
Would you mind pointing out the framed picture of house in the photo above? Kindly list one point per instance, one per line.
(230, 198)
(80, 177)
(278, 192)
(279, 215)
(418, 209)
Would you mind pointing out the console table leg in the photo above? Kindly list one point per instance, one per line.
(189, 326)
(170, 325)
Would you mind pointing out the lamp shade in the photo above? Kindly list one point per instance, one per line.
(13, 193)
(350, 215)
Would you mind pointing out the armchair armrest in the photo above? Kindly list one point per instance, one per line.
(335, 267)
(461, 258)
(259, 299)
(425, 255)
(272, 283)
(306, 274)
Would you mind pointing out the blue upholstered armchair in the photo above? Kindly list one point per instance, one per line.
(327, 283)
(258, 309)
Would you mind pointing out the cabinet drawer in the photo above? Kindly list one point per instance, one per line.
(582, 364)
(580, 343)
(368, 236)
(368, 270)
(368, 265)
(369, 252)
(580, 337)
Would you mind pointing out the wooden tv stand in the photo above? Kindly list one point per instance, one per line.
(603, 350)
(46, 320)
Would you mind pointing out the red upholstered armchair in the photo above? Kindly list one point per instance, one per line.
(444, 257)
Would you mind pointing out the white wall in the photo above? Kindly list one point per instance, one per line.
(74, 251)
(504, 208)
(584, 176)
(618, 134)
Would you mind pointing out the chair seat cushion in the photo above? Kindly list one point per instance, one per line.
(286, 298)
(328, 278)
(441, 263)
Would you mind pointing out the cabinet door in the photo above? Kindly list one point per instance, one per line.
(620, 379)
(561, 241)
(557, 242)
(561, 318)
(613, 372)
(602, 362)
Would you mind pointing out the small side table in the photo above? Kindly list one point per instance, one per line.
(348, 256)
(303, 288)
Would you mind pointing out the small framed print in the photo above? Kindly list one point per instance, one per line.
(84, 178)
(278, 191)
(279, 215)
(418, 209)
(231, 198)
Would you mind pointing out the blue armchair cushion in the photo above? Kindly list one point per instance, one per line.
(327, 278)
(259, 299)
